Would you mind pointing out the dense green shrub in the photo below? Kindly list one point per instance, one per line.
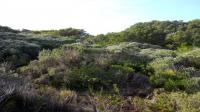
(20, 48)
(8, 29)
(17, 52)
(170, 80)
(170, 34)
(68, 32)
(176, 73)
(81, 67)
(189, 59)
(188, 36)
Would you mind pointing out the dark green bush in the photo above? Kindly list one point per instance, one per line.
(170, 80)
(8, 29)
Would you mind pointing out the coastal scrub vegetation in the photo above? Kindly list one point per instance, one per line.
(149, 67)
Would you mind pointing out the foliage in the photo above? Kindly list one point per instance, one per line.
(170, 34)
(190, 59)
(20, 48)
(74, 64)
(63, 66)
(7, 29)
(68, 32)
(188, 36)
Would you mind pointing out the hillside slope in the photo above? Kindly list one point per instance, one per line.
(149, 67)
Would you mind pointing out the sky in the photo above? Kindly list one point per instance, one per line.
(94, 16)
